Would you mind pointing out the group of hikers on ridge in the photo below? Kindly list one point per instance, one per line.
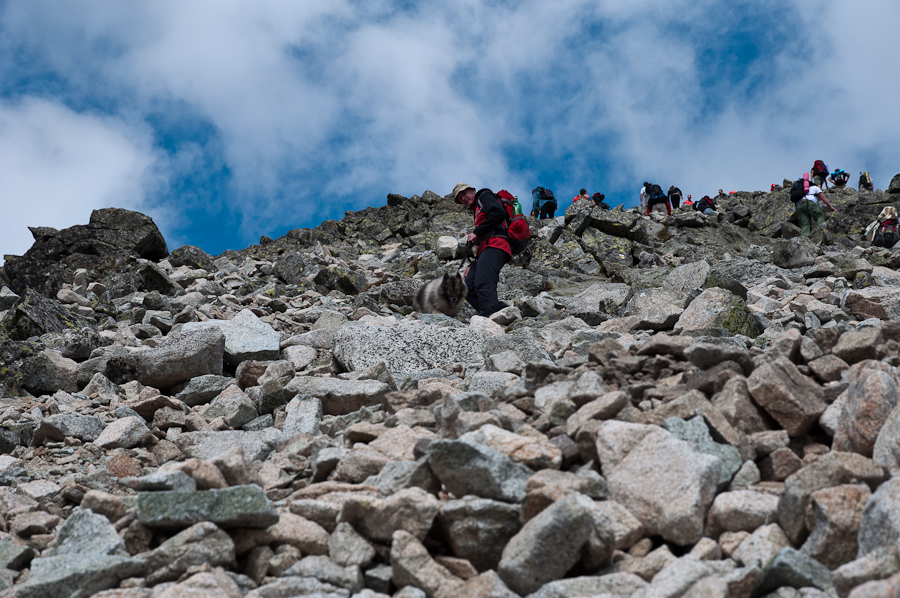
(544, 204)
(501, 230)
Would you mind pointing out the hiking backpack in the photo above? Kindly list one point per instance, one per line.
(547, 197)
(819, 168)
(865, 180)
(800, 188)
(654, 191)
(840, 177)
(887, 234)
(518, 233)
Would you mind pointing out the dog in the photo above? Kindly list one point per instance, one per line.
(442, 295)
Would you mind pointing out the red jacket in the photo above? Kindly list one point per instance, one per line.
(490, 221)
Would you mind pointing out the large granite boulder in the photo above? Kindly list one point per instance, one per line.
(406, 347)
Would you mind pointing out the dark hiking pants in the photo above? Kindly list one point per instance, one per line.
(481, 280)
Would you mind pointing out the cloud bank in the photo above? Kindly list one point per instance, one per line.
(229, 120)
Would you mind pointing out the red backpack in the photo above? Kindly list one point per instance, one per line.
(819, 168)
(517, 230)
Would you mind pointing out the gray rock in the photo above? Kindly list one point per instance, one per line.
(198, 545)
(676, 578)
(78, 575)
(175, 480)
(831, 469)
(599, 302)
(715, 310)
(470, 468)
(695, 433)
(798, 252)
(523, 342)
(547, 546)
(303, 416)
(202, 389)
(86, 532)
(323, 569)
(48, 371)
(477, 529)
(177, 360)
(237, 506)
(409, 347)
(246, 337)
(880, 525)
(233, 406)
(15, 556)
(126, 432)
(346, 547)
(307, 587)
(412, 510)
(399, 475)
(207, 445)
(611, 584)
(792, 568)
(670, 494)
(339, 397)
(58, 427)
(881, 563)
(790, 397)
(886, 452)
(657, 309)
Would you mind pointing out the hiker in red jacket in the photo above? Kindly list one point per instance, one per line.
(493, 250)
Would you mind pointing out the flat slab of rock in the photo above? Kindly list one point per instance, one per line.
(246, 337)
(657, 309)
(208, 445)
(78, 575)
(237, 506)
(177, 360)
(339, 397)
(406, 347)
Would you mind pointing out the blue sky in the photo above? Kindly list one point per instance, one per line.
(228, 120)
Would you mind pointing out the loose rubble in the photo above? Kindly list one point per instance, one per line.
(682, 406)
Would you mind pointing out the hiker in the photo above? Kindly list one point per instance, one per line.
(643, 193)
(687, 204)
(819, 174)
(674, 197)
(884, 231)
(581, 195)
(865, 182)
(809, 212)
(543, 203)
(706, 205)
(656, 199)
(598, 200)
(839, 178)
(492, 247)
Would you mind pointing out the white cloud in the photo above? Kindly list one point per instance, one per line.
(58, 165)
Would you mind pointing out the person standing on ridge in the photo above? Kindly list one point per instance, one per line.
(656, 199)
(543, 203)
(674, 197)
(643, 193)
(492, 247)
(819, 174)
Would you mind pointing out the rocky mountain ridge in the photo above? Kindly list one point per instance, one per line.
(672, 406)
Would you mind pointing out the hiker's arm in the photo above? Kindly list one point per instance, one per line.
(827, 203)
